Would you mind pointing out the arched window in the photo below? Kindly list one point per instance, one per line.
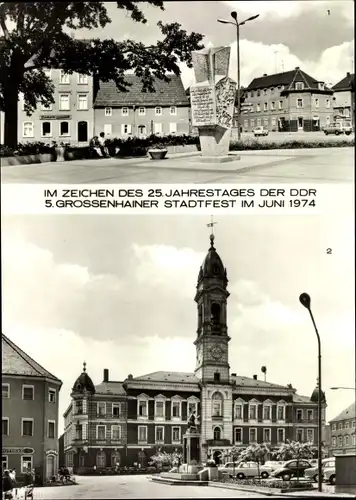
(215, 314)
(200, 317)
(217, 433)
(217, 404)
(115, 459)
(101, 459)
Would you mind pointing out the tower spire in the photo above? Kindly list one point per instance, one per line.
(212, 236)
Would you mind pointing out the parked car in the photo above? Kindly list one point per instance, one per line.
(250, 469)
(292, 468)
(228, 468)
(274, 464)
(338, 128)
(260, 131)
(312, 473)
(329, 473)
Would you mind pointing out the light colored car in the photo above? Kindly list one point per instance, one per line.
(228, 468)
(274, 464)
(329, 474)
(260, 131)
(250, 469)
(338, 128)
(312, 473)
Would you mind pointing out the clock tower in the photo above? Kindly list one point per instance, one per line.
(212, 364)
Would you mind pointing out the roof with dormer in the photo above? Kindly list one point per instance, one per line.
(170, 93)
(16, 362)
(174, 377)
(349, 412)
(110, 388)
(287, 78)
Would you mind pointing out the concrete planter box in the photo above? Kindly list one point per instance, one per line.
(213, 473)
(157, 154)
(189, 148)
(7, 161)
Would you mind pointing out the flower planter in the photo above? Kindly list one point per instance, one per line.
(157, 154)
(59, 150)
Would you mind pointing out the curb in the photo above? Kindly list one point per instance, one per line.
(254, 490)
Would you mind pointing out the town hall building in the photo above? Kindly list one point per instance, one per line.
(126, 422)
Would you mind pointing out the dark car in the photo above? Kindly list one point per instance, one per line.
(292, 468)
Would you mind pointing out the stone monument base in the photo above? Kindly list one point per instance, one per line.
(216, 159)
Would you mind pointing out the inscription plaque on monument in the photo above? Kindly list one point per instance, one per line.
(203, 106)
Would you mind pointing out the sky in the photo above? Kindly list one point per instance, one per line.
(317, 36)
(118, 293)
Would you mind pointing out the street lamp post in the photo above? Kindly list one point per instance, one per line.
(237, 25)
(305, 300)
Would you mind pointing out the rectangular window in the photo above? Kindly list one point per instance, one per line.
(101, 432)
(246, 123)
(79, 432)
(83, 102)
(238, 412)
(142, 409)
(46, 129)
(141, 111)
(299, 85)
(272, 90)
(116, 432)
(280, 104)
(101, 409)
(64, 102)
(126, 129)
(252, 123)
(354, 439)
(159, 434)
(266, 435)
(258, 108)
(45, 107)
(252, 412)
(26, 464)
(265, 92)
(300, 435)
(273, 105)
(216, 377)
(274, 122)
(108, 112)
(176, 409)
(327, 103)
(64, 129)
(27, 427)
(108, 129)
(346, 425)
(334, 441)
(265, 106)
(158, 128)
(281, 412)
(316, 103)
(173, 110)
(253, 435)
(116, 407)
(63, 77)
(51, 429)
(159, 410)
(125, 111)
(173, 128)
(258, 93)
(51, 395)
(299, 415)
(238, 435)
(280, 435)
(333, 427)
(340, 441)
(258, 122)
(142, 434)
(310, 414)
(191, 407)
(216, 409)
(4, 462)
(176, 434)
(82, 79)
(28, 129)
(310, 435)
(299, 103)
(5, 426)
(266, 413)
(158, 111)
(354, 424)
(5, 391)
(28, 392)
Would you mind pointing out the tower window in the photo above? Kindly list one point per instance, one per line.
(200, 316)
(215, 314)
(216, 269)
(216, 377)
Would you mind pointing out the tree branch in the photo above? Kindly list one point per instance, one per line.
(3, 23)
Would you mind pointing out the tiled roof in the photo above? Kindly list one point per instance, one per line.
(346, 83)
(16, 362)
(115, 388)
(175, 377)
(349, 412)
(301, 399)
(251, 382)
(170, 93)
(285, 79)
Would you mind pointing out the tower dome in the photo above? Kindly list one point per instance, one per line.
(315, 395)
(212, 266)
(83, 383)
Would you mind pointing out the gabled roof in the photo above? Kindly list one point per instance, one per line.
(169, 93)
(175, 377)
(347, 83)
(114, 388)
(16, 362)
(349, 412)
(286, 78)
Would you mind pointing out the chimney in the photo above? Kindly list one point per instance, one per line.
(348, 73)
(297, 67)
(265, 74)
(255, 377)
(129, 377)
(233, 374)
(106, 375)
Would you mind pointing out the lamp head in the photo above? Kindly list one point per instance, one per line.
(305, 300)
(234, 15)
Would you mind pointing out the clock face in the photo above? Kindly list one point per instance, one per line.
(216, 352)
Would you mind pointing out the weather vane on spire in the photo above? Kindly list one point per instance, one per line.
(212, 224)
(84, 366)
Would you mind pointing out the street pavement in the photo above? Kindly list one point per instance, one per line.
(324, 165)
(133, 487)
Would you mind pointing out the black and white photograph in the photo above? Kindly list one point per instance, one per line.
(167, 333)
(184, 92)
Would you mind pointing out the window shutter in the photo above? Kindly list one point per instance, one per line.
(129, 129)
(245, 410)
(259, 412)
(151, 410)
(184, 410)
(274, 413)
(168, 410)
(122, 129)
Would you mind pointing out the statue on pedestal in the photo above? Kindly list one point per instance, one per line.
(193, 422)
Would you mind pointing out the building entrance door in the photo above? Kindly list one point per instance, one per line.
(82, 131)
(50, 466)
(217, 457)
(300, 123)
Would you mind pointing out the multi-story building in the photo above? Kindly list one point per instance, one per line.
(138, 113)
(69, 120)
(126, 422)
(344, 99)
(29, 413)
(343, 432)
(287, 102)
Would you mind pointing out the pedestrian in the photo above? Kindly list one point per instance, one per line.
(7, 485)
(13, 479)
(29, 483)
(103, 148)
